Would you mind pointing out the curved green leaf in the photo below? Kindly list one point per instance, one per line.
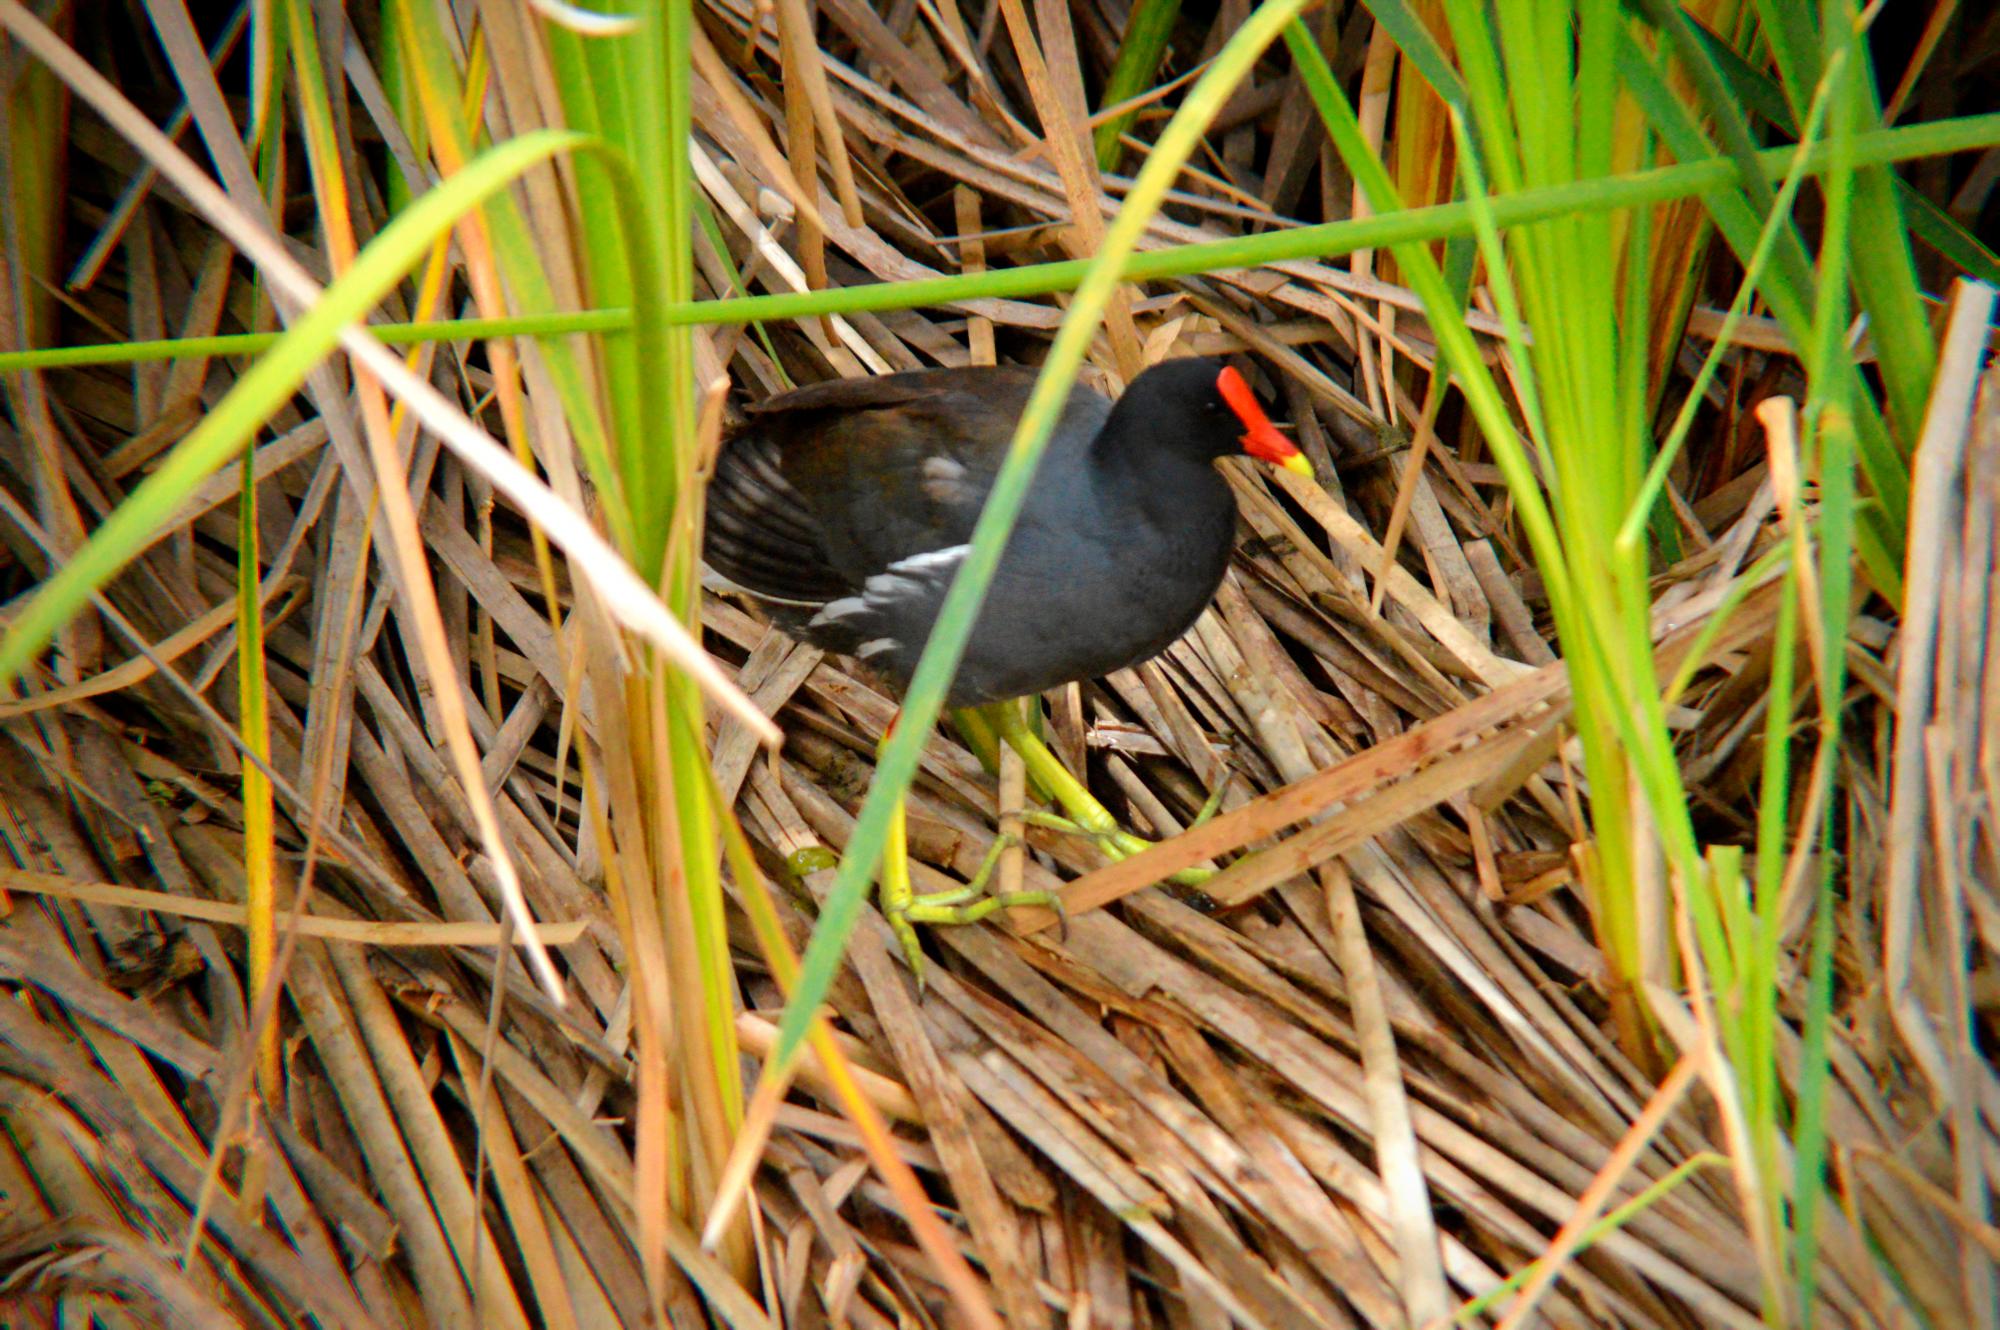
(264, 387)
(898, 765)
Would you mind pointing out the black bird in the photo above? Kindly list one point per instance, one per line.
(847, 507)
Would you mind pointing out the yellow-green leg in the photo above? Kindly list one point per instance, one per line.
(968, 904)
(1084, 814)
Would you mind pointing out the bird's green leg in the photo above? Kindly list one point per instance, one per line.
(968, 904)
(896, 896)
(1213, 804)
(1049, 775)
(975, 727)
(1084, 815)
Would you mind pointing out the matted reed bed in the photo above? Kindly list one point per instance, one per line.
(1393, 1063)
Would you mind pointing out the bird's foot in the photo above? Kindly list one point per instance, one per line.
(905, 909)
(1094, 823)
(1082, 815)
(1213, 804)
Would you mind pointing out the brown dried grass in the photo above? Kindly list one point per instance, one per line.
(1368, 1082)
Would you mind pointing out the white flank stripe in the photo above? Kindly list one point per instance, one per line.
(836, 610)
(932, 563)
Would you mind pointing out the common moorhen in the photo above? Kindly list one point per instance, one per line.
(847, 507)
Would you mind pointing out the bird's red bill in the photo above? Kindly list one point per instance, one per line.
(1261, 438)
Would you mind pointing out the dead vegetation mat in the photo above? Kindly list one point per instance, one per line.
(1370, 1070)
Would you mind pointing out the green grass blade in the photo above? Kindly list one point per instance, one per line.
(440, 89)
(1610, 1223)
(1809, 1154)
(704, 216)
(262, 389)
(1414, 40)
(1717, 98)
(1454, 339)
(1791, 30)
(1947, 235)
(1775, 222)
(250, 344)
(926, 693)
(1760, 93)
(1703, 175)
(1749, 86)
(260, 901)
(1790, 291)
(1147, 32)
(1753, 1017)
(1830, 412)
(1905, 347)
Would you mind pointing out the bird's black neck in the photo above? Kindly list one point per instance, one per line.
(1135, 442)
(1176, 488)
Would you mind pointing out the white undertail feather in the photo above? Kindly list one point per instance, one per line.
(917, 577)
(836, 610)
(931, 562)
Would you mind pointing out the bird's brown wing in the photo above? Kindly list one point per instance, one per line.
(761, 533)
(828, 485)
(864, 393)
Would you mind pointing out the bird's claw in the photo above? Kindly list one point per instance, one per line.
(952, 907)
(1213, 804)
(1118, 843)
